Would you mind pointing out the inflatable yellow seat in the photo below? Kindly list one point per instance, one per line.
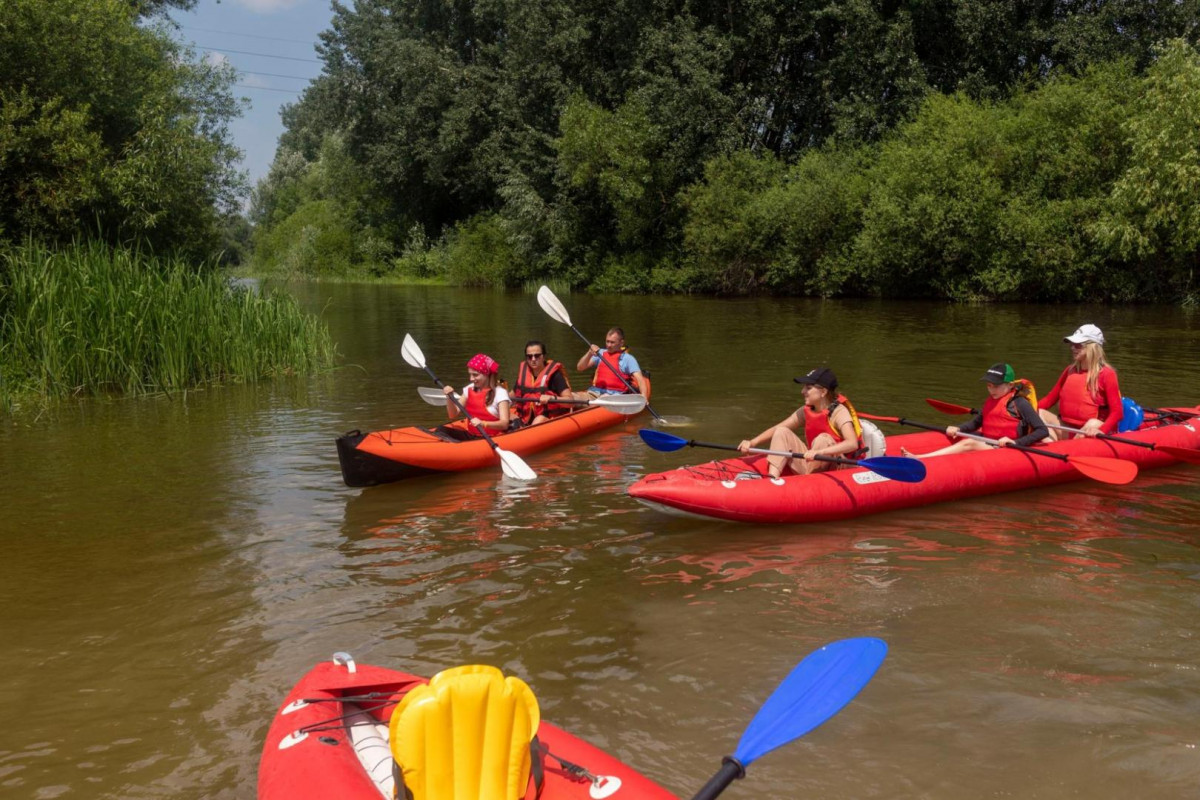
(465, 736)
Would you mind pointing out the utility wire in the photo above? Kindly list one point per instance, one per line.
(273, 75)
(265, 88)
(247, 35)
(264, 55)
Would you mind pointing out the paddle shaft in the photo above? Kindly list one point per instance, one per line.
(976, 436)
(789, 454)
(1181, 453)
(731, 770)
(462, 409)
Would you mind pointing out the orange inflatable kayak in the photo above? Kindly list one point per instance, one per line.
(368, 459)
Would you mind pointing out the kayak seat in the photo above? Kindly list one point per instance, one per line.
(466, 735)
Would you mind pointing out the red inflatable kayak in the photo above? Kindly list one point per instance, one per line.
(737, 489)
(368, 459)
(329, 740)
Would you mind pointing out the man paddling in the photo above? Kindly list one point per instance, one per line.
(619, 373)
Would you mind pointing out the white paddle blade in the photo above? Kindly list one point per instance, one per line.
(514, 467)
(551, 306)
(412, 354)
(627, 404)
(433, 396)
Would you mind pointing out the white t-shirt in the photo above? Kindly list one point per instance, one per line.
(500, 396)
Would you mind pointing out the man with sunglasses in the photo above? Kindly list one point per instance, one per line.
(540, 377)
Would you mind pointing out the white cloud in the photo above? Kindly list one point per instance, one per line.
(266, 6)
(215, 59)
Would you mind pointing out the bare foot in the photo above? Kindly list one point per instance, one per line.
(904, 452)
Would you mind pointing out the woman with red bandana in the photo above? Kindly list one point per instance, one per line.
(1087, 393)
(486, 401)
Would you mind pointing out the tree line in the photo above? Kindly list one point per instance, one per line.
(1003, 149)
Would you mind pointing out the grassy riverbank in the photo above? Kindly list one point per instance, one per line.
(89, 319)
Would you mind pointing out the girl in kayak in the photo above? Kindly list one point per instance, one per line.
(1008, 416)
(1087, 392)
(486, 401)
(829, 422)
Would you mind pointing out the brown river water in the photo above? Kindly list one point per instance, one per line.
(169, 567)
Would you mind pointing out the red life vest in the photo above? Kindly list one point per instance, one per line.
(998, 420)
(1076, 405)
(476, 405)
(605, 377)
(818, 422)
(529, 386)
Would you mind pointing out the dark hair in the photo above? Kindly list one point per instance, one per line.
(617, 331)
(532, 342)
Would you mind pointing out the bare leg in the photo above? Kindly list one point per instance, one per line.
(1049, 418)
(785, 439)
(961, 446)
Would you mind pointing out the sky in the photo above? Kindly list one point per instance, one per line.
(271, 43)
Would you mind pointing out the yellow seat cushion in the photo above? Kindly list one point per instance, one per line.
(465, 736)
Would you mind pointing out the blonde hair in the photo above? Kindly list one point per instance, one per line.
(1093, 362)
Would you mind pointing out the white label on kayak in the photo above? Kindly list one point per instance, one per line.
(862, 478)
(604, 786)
(1188, 425)
(728, 484)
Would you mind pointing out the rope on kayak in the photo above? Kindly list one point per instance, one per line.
(576, 770)
(333, 723)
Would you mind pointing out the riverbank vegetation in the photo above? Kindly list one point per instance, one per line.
(93, 319)
(119, 202)
(958, 150)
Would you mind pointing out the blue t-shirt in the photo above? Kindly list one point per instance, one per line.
(628, 365)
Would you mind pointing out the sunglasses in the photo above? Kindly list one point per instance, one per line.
(532, 356)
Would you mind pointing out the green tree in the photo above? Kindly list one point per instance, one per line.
(108, 127)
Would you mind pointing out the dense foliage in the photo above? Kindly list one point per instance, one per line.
(108, 129)
(968, 149)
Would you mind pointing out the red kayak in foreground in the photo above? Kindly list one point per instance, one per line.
(330, 739)
(737, 489)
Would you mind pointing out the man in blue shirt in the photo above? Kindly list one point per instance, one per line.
(617, 360)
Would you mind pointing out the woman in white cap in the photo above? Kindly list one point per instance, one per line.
(1087, 393)
(829, 422)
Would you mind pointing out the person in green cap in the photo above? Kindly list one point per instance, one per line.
(1009, 415)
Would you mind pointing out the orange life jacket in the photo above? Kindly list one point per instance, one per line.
(529, 386)
(476, 405)
(1076, 405)
(1000, 418)
(605, 377)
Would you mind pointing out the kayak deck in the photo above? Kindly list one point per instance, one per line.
(329, 739)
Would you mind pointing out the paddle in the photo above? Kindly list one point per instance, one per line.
(627, 404)
(510, 463)
(906, 470)
(551, 305)
(1131, 415)
(819, 687)
(1100, 468)
(1181, 453)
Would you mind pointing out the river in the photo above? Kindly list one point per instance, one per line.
(171, 566)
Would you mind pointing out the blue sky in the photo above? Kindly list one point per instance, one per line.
(272, 45)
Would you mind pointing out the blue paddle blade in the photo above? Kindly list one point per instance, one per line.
(661, 441)
(898, 468)
(1132, 416)
(818, 688)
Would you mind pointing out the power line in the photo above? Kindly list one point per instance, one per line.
(264, 55)
(246, 35)
(266, 88)
(273, 75)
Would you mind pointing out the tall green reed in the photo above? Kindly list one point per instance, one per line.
(90, 319)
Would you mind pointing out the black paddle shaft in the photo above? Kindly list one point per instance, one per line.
(1013, 445)
(462, 409)
(731, 770)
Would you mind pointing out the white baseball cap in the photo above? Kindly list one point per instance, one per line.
(1086, 333)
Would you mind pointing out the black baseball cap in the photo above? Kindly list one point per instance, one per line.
(999, 373)
(821, 376)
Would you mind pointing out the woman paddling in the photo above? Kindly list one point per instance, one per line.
(486, 401)
(1008, 416)
(829, 422)
(1087, 392)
